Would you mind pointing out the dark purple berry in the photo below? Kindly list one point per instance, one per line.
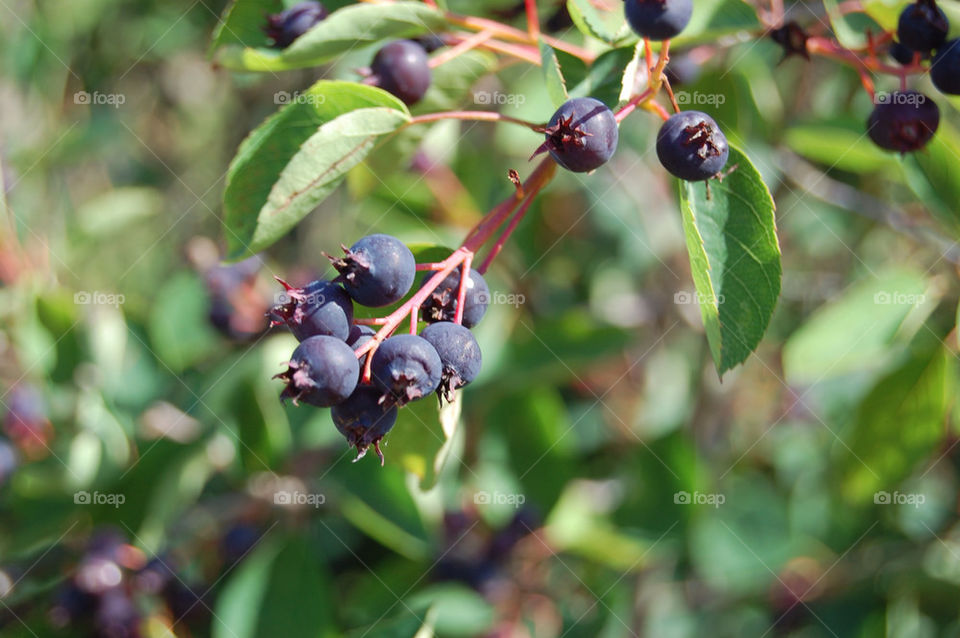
(691, 146)
(236, 305)
(459, 353)
(406, 368)
(901, 53)
(360, 335)
(402, 68)
(323, 371)
(319, 308)
(441, 305)
(377, 270)
(903, 121)
(285, 27)
(658, 19)
(922, 26)
(431, 42)
(945, 70)
(364, 419)
(582, 135)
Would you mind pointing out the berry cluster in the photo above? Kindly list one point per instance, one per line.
(363, 375)
(906, 120)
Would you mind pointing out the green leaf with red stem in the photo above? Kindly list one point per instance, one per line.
(552, 75)
(734, 258)
(292, 161)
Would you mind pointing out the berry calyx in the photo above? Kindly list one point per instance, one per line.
(904, 121)
(401, 67)
(319, 308)
(364, 420)
(285, 27)
(658, 19)
(922, 26)
(323, 371)
(582, 135)
(441, 305)
(691, 146)
(406, 368)
(945, 70)
(792, 37)
(377, 270)
(459, 353)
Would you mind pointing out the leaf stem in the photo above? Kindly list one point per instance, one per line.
(480, 116)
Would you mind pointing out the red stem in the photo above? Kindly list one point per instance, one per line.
(533, 20)
(505, 235)
(481, 116)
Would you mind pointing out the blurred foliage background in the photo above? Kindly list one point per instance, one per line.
(598, 480)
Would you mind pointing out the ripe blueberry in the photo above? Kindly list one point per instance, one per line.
(323, 371)
(945, 70)
(905, 121)
(377, 270)
(441, 305)
(582, 135)
(363, 419)
(922, 26)
(691, 146)
(319, 308)
(459, 353)
(406, 368)
(285, 27)
(402, 68)
(658, 19)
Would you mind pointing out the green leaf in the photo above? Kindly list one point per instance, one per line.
(180, 332)
(839, 145)
(292, 161)
(628, 82)
(603, 80)
(422, 439)
(280, 574)
(734, 257)
(934, 174)
(849, 27)
(898, 424)
(855, 332)
(351, 27)
(610, 28)
(242, 23)
(552, 75)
